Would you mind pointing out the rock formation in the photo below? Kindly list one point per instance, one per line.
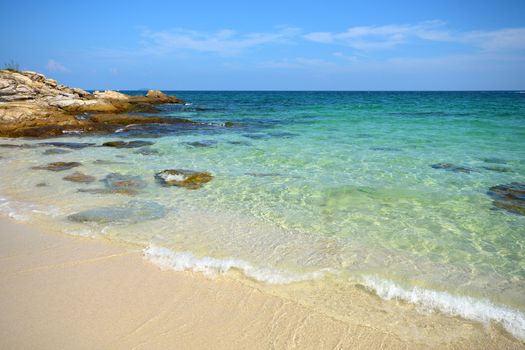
(32, 105)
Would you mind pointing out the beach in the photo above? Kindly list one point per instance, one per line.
(70, 292)
(307, 219)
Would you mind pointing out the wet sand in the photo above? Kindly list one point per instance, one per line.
(61, 292)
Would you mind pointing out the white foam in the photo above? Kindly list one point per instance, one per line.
(22, 211)
(180, 261)
(480, 310)
(173, 177)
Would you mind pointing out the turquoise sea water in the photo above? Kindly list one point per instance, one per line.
(313, 185)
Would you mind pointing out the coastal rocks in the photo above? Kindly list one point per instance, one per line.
(57, 166)
(80, 178)
(510, 197)
(451, 167)
(32, 105)
(188, 179)
(130, 144)
(132, 212)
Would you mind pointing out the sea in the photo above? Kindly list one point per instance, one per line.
(363, 205)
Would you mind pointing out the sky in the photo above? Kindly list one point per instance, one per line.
(269, 45)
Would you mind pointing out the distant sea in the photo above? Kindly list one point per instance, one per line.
(314, 194)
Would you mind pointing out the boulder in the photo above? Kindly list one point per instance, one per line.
(188, 179)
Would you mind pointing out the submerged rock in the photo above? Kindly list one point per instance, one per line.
(451, 167)
(189, 179)
(130, 144)
(80, 178)
(41, 184)
(263, 174)
(200, 144)
(57, 166)
(55, 151)
(116, 181)
(132, 212)
(510, 197)
(71, 145)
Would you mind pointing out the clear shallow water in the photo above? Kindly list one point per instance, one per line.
(326, 186)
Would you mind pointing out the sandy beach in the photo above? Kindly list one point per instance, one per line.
(61, 292)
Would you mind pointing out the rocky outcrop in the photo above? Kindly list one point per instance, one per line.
(189, 179)
(35, 106)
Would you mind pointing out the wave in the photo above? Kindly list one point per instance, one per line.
(22, 211)
(480, 310)
(179, 261)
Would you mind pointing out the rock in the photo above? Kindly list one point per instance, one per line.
(132, 212)
(200, 144)
(57, 166)
(79, 177)
(32, 105)
(111, 95)
(189, 179)
(71, 145)
(116, 181)
(41, 184)
(130, 144)
(451, 167)
(510, 197)
(55, 151)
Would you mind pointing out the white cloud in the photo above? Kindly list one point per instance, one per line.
(55, 66)
(223, 42)
(388, 36)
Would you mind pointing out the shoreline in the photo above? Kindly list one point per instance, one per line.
(62, 291)
(73, 292)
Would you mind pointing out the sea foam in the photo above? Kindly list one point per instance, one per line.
(480, 310)
(168, 259)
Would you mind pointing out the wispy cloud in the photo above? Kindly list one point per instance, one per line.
(55, 66)
(389, 36)
(380, 37)
(222, 42)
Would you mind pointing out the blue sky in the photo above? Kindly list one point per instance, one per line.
(270, 45)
